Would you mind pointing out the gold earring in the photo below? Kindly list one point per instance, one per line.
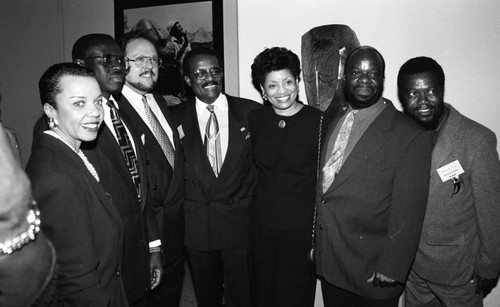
(264, 96)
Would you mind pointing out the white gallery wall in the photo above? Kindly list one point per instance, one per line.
(462, 35)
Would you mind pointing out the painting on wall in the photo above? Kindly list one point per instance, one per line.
(176, 26)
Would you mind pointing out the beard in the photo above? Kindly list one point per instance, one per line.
(143, 87)
(356, 103)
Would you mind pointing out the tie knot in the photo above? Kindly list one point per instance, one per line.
(210, 108)
(144, 98)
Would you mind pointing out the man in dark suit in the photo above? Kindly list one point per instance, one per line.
(459, 253)
(141, 269)
(151, 118)
(218, 190)
(371, 193)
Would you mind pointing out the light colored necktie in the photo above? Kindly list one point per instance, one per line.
(212, 141)
(334, 163)
(160, 134)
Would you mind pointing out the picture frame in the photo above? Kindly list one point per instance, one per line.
(201, 20)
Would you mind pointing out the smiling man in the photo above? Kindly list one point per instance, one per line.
(219, 183)
(150, 117)
(458, 259)
(372, 191)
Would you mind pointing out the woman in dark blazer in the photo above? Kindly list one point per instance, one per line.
(77, 214)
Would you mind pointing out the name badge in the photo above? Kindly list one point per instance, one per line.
(450, 171)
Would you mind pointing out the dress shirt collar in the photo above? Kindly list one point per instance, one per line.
(220, 105)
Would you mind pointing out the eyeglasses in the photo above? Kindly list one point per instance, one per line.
(141, 61)
(202, 74)
(108, 59)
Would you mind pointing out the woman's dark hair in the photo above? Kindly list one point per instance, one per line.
(272, 59)
(50, 82)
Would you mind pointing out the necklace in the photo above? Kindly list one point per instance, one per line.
(86, 162)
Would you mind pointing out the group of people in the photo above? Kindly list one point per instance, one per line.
(260, 201)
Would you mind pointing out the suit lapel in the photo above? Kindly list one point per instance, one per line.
(192, 143)
(373, 138)
(238, 134)
(445, 145)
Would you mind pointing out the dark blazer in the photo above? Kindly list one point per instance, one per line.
(139, 223)
(166, 186)
(80, 219)
(217, 208)
(460, 232)
(371, 216)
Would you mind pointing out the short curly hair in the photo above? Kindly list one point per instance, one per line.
(273, 59)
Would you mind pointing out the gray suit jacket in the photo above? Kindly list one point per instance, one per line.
(460, 232)
(371, 216)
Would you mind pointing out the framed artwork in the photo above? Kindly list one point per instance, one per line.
(177, 26)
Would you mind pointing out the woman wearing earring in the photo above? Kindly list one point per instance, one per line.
(286, 140)
(78, 215)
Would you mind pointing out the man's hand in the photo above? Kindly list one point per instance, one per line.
(483, 285)
(380, 280)
(156, 269)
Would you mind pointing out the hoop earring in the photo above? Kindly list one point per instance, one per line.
(52, 123)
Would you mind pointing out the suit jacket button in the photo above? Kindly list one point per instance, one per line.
(155, 187)
(108, 195)
(117, 273)
(323, 202)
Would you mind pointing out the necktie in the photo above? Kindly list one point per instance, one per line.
(160, 134)
(126, 147)
(334, 163)
(212, 141)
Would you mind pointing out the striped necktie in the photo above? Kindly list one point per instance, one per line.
(160, 134)
(126, 147)
(212, 142)
(332, 167)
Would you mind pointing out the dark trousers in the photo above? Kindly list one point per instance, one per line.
(284, 276)
(168, 292)
(334, 296)
(218, 274)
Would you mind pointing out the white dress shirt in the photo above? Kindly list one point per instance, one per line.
(222, 113)
(135, 100)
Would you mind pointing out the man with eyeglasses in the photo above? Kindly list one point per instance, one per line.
(141, 264)
(151, 118)
(219, 183)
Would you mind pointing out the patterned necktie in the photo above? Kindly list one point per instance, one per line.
(126, 147)
(212, 141)
(333, 165)
(160, 134)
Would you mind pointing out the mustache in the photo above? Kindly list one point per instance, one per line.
(148, 72)
(209, 83)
